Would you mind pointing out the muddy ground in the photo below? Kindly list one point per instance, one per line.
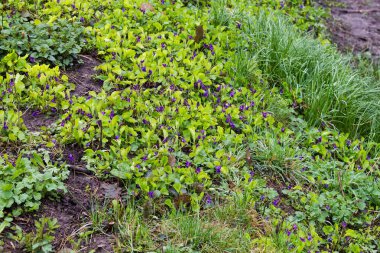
(355, 26)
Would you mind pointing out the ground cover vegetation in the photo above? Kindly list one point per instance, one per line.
(228, 126)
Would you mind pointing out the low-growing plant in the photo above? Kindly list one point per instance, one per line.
(57, 42)
(41, 240)
(24, 182)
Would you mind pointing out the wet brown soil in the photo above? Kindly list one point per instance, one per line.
(355, 26)
(83, 75)
(34, 120)
(72, 212)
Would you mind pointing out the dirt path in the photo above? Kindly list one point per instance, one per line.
(355, 26)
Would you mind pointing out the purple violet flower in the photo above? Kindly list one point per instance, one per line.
(151, 194)
(228, 118)
(218, 169)
(35, 113)
(208, 200)
(276, 202)
(71, 158)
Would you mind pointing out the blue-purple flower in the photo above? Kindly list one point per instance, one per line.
(35, 113)
(208, 200)
(71, 158)
(218, 169)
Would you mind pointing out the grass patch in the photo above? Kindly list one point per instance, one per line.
(322, 77)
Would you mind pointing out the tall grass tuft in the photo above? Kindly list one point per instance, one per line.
(331, 89)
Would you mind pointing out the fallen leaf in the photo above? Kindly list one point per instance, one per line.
(172, 160)
(146, 6)
(199, 33)
(111, 191)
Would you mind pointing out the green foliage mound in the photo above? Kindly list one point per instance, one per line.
(57, 42)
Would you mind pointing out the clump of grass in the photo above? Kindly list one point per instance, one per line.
(226, 227)
(330, 88)
(219, 14)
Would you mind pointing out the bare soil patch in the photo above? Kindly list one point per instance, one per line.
(83, 76)
(34, 120)
(72, 212)
(355, 26)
